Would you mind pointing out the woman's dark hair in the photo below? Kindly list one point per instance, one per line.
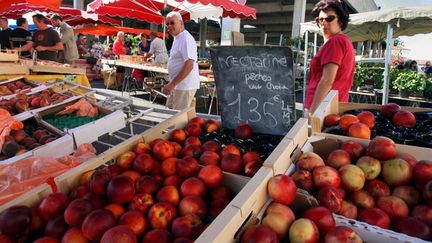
(338, 6)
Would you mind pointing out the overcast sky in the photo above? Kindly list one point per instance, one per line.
(420, 45)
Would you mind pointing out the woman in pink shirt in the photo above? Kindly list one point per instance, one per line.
(119, 49)
(333, 66)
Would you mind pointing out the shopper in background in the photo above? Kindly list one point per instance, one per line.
(182, 65)
(21, 38)
(81, 45)
(70, 50)
(157, 49)
(413, 66)
(119, 49)
(46, 41)
(144, 44)
(428, 68)
(4, 34)
(333, 66)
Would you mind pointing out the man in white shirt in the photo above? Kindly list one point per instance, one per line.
(182, 65)
(158, 49)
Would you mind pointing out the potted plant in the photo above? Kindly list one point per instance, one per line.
(408, 82)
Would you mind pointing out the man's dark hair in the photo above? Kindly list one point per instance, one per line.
(338, 6)
(143, 35)
(5, 20)
(153, 34)
(40, 18)
(21, 21)
(57, 17)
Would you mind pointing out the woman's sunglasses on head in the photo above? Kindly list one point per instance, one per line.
(328, 19)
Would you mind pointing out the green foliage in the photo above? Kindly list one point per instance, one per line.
(369, 73)
(409, 80)
(428, 87)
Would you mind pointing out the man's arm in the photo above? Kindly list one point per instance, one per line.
(57, 47)
(28, 46)
(324, 85)
(186, 69)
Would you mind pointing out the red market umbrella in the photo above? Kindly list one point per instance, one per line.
(72, 16)
(50, 4)
(149, 10)
(106, 30)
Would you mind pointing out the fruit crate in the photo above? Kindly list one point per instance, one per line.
(106, 122)
(331, 105)
(61, 146)
(323, 144)
(30, 198)
(9, 56)
(29, 86)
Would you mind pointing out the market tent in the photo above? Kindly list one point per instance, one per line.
(71, 16)
(106, 30)
(51, 4)
(150, 10)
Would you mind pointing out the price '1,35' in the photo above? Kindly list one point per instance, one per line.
(255, 115)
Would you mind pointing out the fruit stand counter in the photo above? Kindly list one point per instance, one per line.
(80, 79)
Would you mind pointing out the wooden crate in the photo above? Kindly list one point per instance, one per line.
(9, 56)
(281, 157)
(30, 198)
(14, 68)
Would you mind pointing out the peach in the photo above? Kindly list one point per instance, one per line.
(217, 206)
(342, 234)
(352, 177)
(382, 148)
(354, 149)
(97, 223)
(359, 130)
(211, 146)
(193, 129)
(147, 184)
(309, 160)
(76, 211)
(346, 121)
(370, 166)
(230, 149)
(192, 205)
(251, 168)
(46, 239)
(56, 227)
(177, 148)
(367, 118)
(413, 227)
(211, 175)
(126, 160)
(53, 205)
(232, 163)
(120, 189)
(209, 158)
(141, 202)
(278, 218)
(74, 235)
(423, 213)
(409, 194)
(161, 215)
(168, 167)
(99, 181)
(163, 150)
(144, 164)
(388, 110)
(116, 209)
(338, 158)
(141, 148)
(210, 126)
(408, 158)
(303, 230)
(173, 180)
(363, 199)
(135, 220)
(378, 188)
(15, 220)
(119, 233)
(199, 120)
(243, 131)
(251, 156)
(259, 233)
(221, 192)
(393, 206)
(348, 210)
(282, 189)
(303, 180)
(189, 226)
(193, 187)
(191, 150)
(187, 167)
(192, 141)
(158, 235)
(322, 217)
(331, 120)
(178, 135)
(325, 176)
(168, 194)
(404, 119)
(330, 198)
(396, 172)
(375, 216)
(422, 172)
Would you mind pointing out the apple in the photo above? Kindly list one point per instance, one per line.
(407, 193)
(325, 176)
(346, 121)
(119, 233)
(303, 180)
(193, 187)
(330, 198)
(342, 234)
(135, 220)
(422, 172)
(331, 120)
(352, 177)
(259, 233)
(243, 131)
(338, 158)
(413, 227)
(354, 149)
(192, 205)
(159, 236)
(76, 211)
(404, 118)
(163, 150)
(367, 117)
(396, 172)
(370, 166)
(142, 147)
(309, 160)
(359, 130)
(15, 220)
(125, 160)
(375, 216)
(322, 217)
(141, 202)
(303, 230)
(393, 206)
(211, 175)
(363, 199)
(187, 167)
(382, 148)
(97, 223)
(144, 163)
(178, 135)
(388, 110)
(120, 189)
(378, 188)
(161, 215)
(278, 218)
(348, 210)
(53, 205)
(282, 189)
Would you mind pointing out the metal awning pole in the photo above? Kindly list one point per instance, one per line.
(305, 71)
(389, 45)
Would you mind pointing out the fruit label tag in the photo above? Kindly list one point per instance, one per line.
(255, 85)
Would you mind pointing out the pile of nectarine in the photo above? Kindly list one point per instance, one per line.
(279, 223)
(377, 185)
(391, 121)
(13, 88)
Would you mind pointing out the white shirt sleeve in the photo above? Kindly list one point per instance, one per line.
(152, 47)
(189, 50)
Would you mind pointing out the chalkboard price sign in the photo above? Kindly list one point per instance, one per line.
(255, 85)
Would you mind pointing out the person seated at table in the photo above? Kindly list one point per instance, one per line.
(119, 49)
(21, 38)
(157, 49)
(46, 41)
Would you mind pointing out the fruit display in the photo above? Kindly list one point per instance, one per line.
(23, 102)
(14, 87)
(27, 138)
(280, 224)
(75, 115)
(375, 184)
(391, 121)
(146, 195)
